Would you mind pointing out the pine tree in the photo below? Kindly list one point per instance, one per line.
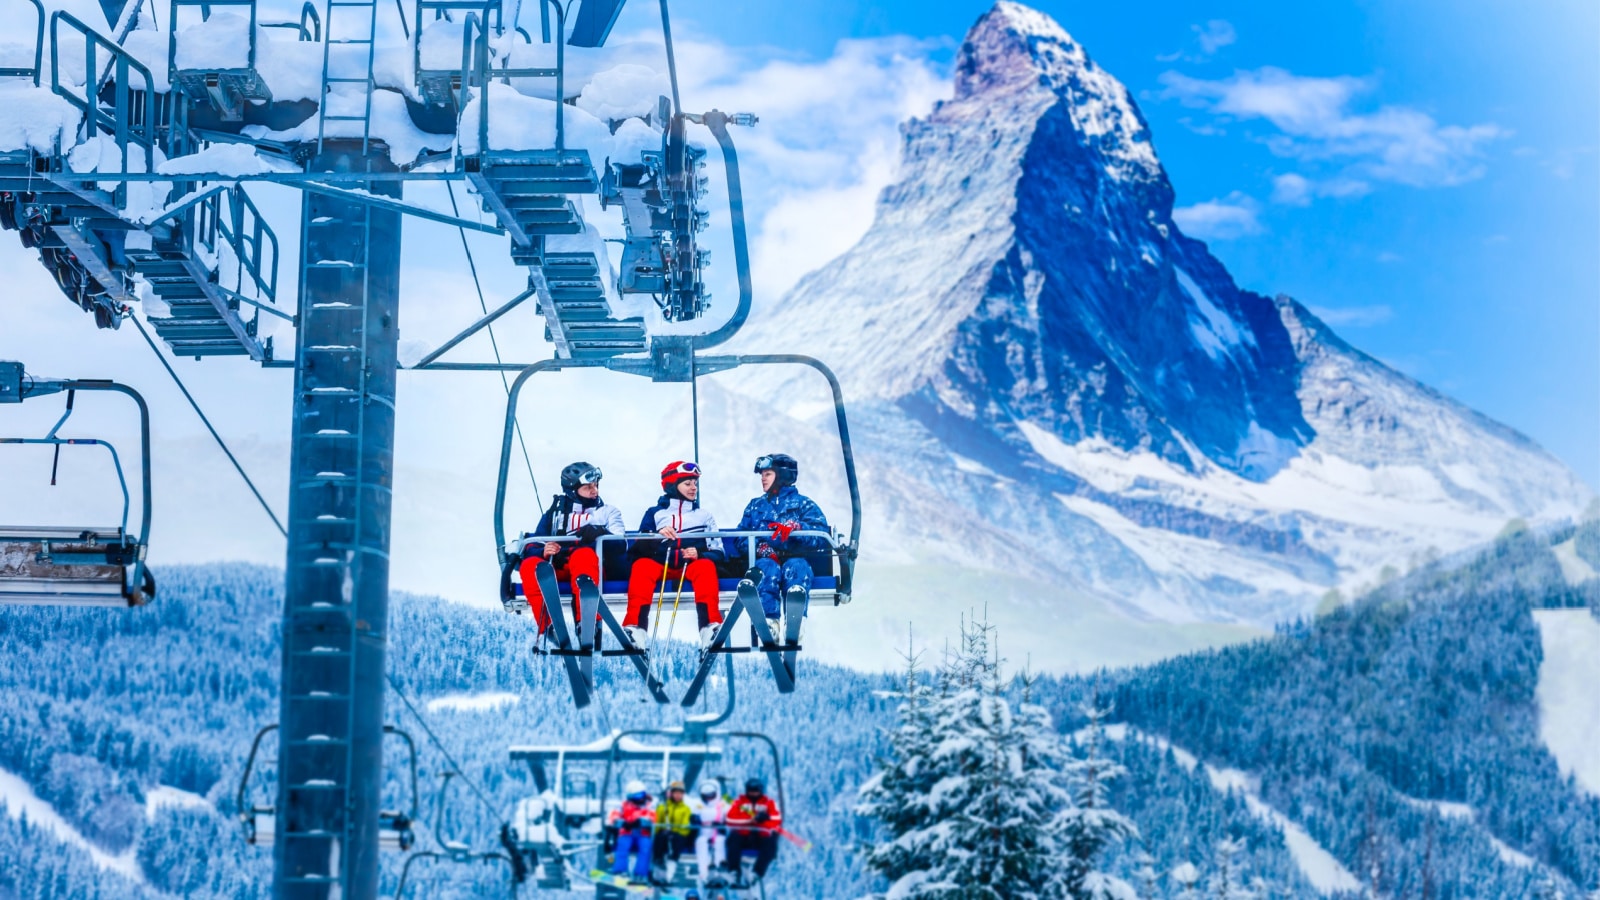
(896, 794)
(1145, 872)
(1090, 824)
(1227, 879)
(1186, 876)
(973, 797)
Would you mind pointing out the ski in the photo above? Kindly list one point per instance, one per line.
(619, 881)
(590, 594)
(708, 656)
(749, 599)
(550, 589)
(794, 612)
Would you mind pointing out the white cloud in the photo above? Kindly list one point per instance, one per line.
(1315, 122)
(1214, 35)
(1223, 219)
(1354, 316)
(1293, 189)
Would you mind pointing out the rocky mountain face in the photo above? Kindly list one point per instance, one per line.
(1049, 378)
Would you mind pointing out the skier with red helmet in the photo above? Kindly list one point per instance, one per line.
(578, 512)
(679, 557)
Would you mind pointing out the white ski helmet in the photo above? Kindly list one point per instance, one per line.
(710, 788)
(634, 788)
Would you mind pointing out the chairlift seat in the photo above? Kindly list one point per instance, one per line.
(62, 566)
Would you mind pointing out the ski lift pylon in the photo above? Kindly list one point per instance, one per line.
(100, 565)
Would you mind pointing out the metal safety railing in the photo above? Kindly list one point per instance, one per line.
(476, 72)
(130, 119)
(38, 50)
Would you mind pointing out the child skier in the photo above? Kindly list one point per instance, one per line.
(576, 511)
(634, 821)
(754, 821)
(674, 830)
(666, 564)
(784, 561)
(711, 814)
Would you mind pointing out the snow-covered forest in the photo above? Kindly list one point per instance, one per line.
(1390, 745)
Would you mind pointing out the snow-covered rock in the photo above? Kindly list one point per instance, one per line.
(1040, 359)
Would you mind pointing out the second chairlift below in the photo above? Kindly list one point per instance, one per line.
(770, 567)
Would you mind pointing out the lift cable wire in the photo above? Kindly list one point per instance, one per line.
(242, 474)
(207, 422)
(428, 730)
(484, 304)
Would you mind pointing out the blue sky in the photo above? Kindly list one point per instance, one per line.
(1423, 173)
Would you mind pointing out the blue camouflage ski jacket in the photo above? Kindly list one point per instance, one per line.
(787, 507)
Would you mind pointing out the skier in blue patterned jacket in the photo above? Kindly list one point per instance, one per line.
(784, 559)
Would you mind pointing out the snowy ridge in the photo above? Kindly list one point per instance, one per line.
(1320, 867)
(1041, 360)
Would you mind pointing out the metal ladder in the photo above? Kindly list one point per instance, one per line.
(342, 74)
(338, 535)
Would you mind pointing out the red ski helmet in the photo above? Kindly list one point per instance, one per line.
(677, 471)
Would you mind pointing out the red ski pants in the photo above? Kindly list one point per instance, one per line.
(582, 561)
(646, 579)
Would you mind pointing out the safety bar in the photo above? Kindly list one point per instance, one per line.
(38, 51)
(41, 387)
(119, 121)
(835, 546)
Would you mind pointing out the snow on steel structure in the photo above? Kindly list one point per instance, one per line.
(125, 151)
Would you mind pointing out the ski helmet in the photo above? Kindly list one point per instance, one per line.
(579, 473)
(635, 789)
(675, 786)
(709, 789)
(677, 471)
(786, 467)
(755, 786)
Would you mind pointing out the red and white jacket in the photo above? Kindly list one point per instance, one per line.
(742, 815)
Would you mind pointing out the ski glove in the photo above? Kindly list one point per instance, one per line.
(782, 530)
(592, 532)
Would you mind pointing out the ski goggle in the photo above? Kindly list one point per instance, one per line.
(684, 468)
(590, 475)
(763, 462)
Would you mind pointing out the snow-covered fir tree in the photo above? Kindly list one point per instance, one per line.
(1090, 825)
(1149, 881)
(979, 797)
(1227, 881)
(896, 795)
(1187, 878)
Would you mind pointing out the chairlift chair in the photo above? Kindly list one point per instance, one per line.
(395, 827)
(454, 850)
(101, 565)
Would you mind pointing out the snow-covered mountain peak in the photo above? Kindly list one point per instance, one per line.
(1014, 47)
(1025, 333)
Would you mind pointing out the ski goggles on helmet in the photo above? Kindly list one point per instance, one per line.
(590, 475)
(682, 470)
(764, 462)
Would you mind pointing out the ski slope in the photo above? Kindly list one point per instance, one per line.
(1569, 705)
(19, 800)
(1319, 866)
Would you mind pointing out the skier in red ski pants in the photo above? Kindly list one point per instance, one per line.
(577, 512)
(665, 566)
